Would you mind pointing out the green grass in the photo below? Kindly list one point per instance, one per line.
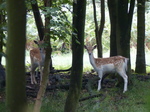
(134, 100)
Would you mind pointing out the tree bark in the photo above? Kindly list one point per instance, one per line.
(121, 19)
(125, 15)
(47, 61)
(15, 56)
(79, 9)
(112, 4)
(140, 57)
(38, 19)
(99, 28)
(121, 15)
(39, 25)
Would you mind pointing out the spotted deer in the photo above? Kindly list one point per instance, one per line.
(113, 64)
(37, 56)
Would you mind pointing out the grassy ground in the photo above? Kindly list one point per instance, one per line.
(113, 100)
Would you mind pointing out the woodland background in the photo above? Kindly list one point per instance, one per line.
(118, 27)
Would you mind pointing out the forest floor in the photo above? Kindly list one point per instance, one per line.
(109, 99)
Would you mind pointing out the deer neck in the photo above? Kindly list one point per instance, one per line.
(92, 61)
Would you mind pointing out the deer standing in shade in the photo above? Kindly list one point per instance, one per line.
(37, 56)
(108, 65)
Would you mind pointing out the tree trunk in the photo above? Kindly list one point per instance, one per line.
(121, 20)
(39, 24)
(99, 28)
(113, 22)
(15, 65)
(79, 9)
(140, 57)
(125, 15)
(38, 19)
(48, 49)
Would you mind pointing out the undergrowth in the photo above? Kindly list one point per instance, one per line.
(134, 100)
(112, 99)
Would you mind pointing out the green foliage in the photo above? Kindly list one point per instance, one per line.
(59, 24)
(61, 28)
(3, 5)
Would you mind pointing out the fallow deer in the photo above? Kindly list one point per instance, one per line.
(37, 56)
(109, 65)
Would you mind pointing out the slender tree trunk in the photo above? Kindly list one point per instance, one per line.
(47, 61)
(38, 19)
(140, 57)
(99, 28)
(15, 56)
(99, 52)
(79, 9)
(39, 24)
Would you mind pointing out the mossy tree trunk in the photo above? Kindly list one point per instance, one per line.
(15, 56)
(140, 57)
(79, 9)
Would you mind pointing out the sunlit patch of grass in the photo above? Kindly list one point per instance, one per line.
(148, 69)
(62, 61)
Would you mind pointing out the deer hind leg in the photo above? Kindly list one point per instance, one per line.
(125, 78)
(33, 80)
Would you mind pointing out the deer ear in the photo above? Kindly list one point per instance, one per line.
(35, 42)
(85, 47)
(94, 46)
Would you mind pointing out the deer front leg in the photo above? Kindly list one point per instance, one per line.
(99, 82)
(33, 80)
